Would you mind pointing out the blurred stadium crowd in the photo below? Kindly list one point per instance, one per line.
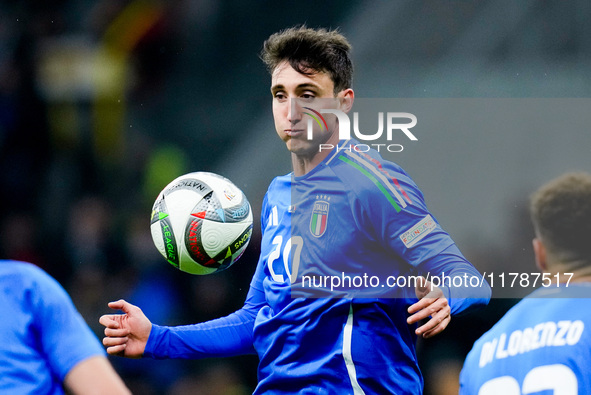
(78, 182)
(102, 103)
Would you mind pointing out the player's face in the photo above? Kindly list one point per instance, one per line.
(292, 91)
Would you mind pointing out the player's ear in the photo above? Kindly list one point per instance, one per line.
(346, 97)
(540, 254)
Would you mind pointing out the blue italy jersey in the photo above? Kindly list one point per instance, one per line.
(355, 219)
(542, 346)
(43, 335)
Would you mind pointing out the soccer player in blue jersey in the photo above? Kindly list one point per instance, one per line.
(340, 212)
(543, 343)
(46, 347)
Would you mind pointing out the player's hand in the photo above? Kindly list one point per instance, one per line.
(432, 303)
(126, 334)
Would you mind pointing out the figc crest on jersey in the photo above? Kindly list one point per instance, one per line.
(319, 218)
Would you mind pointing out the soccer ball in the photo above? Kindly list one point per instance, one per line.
(201, 223)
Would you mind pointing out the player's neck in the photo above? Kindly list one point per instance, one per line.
(303, 165)
(580, 276)
(577, 273)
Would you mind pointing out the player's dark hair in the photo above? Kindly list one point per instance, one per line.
(561, 215)
(310, 51)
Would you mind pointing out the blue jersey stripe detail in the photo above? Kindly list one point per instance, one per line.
(374, 180)
(347, 354)
(379, 174)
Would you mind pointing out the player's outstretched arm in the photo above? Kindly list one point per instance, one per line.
(126, 334)
(94, 375)
(432, 303)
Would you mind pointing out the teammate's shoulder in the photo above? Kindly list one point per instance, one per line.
(543, 304)
(25, 276)
(570, 293)
(21, 269)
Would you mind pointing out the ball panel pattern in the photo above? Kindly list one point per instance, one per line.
(187, 183)
(201, 223)
(194, 246)
(162, 233)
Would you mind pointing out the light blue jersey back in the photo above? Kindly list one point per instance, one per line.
(43, 335)
(542, 346)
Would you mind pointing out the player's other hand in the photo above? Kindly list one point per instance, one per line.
(432, 303)
(126, 334)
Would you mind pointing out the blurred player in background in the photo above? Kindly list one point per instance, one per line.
(324, 345)
(544, 342)
(47, 348)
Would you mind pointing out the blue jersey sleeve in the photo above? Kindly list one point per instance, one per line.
(461, 283)
(405, 224)
(226, 336)
(402, 221)
(65, 338)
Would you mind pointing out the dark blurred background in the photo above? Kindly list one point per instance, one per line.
(102, 103)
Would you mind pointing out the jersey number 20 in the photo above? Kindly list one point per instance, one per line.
(292, 272)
